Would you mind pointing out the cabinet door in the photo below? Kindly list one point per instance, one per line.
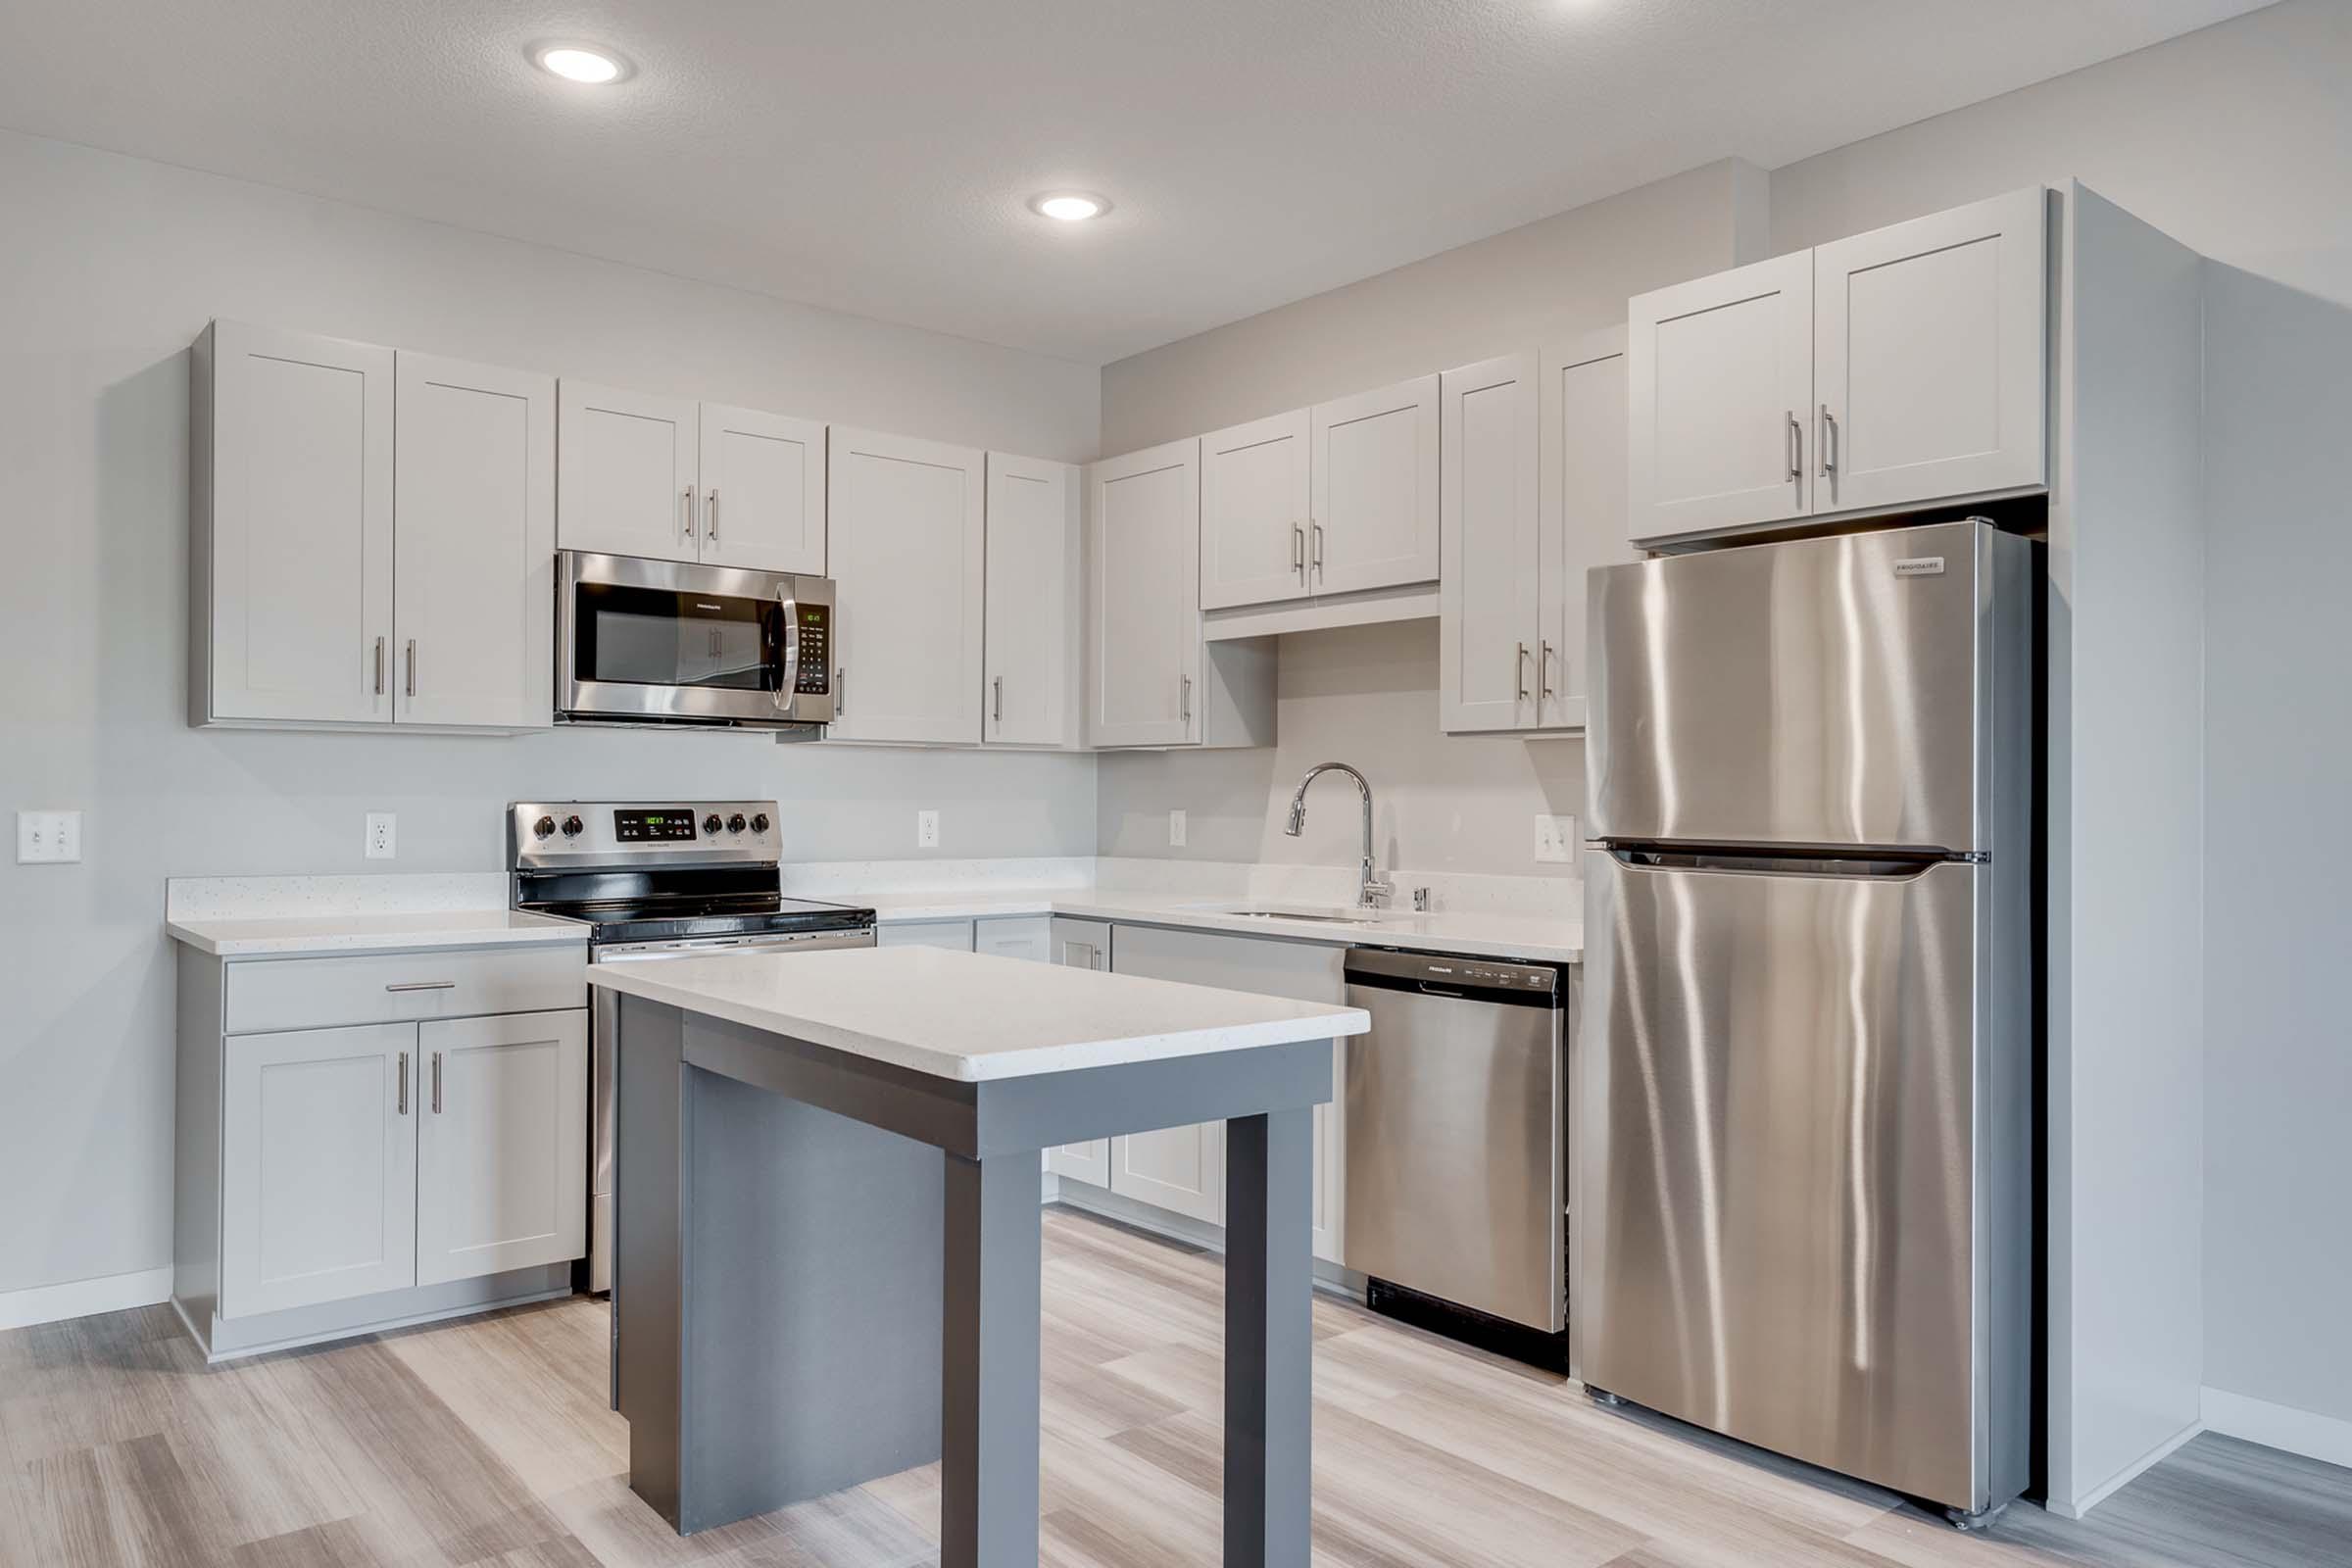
(1720, 371)
(907, 542)
(318, 1166)
(626, 472)
(1082, 945)
(1032, 619)
(474, 517)
(1374, 518)
(1488, 594)
(763, 490)
(1016, 936)
(297, 549)
(502, 1145)
(1931, 357)
(954, 934)
(1143, 615)
(1582, 512)
(1255, 500)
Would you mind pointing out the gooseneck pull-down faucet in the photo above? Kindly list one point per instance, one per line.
(1371, 890)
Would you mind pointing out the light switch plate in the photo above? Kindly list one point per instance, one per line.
(383, 835)
(1555, 839)
(926, 830)
(1176, 830)
(48, 837)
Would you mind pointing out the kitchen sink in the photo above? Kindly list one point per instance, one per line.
(1317, 916)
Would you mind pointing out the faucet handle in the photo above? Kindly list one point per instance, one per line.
(1421, 900)
(1375, 892)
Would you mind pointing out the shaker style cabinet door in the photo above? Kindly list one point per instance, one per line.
(502, 1143)
(1487, 595)
(1583, 513)
(763, 491)
(1032, 619)
(318, 1166)
(1931, 357)
(1256, 503)
(626, 472)
(291, 575)
(1720, 377)
(1142, 518)
(1373, 517)
(907, 544)
(473, 577)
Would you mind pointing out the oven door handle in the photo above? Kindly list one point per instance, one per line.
(719, 947)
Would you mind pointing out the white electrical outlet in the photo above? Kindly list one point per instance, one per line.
(383, 835)
(48, 836)
(926, 830)
(1176, 830)
(1555, 839)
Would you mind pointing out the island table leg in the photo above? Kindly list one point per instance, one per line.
(988, 1490)
(1269, 1379)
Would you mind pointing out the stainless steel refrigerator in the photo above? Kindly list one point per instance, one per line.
(1802, 1108)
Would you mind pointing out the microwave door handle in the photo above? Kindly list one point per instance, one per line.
(789, 683)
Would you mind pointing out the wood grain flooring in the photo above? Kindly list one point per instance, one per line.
(487, 1443)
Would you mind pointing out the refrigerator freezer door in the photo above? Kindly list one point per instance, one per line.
(1826, 692)
(1776, 1129)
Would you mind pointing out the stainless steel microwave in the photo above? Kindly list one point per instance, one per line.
(672, 642)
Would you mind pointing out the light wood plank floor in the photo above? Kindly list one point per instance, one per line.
(488, 1441)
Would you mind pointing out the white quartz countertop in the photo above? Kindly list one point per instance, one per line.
(971, 1016)
(1536, 937)
(362, 931)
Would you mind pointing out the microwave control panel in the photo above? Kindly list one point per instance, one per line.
(816, 633)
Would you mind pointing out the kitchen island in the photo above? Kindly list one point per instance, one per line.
(827, 1216)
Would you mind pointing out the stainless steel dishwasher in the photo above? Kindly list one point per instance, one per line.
(1457, 1151)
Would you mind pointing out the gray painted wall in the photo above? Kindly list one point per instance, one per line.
(1368, 695)
(2237, 141)
(111, 268)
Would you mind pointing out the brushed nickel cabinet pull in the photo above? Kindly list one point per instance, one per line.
(1519, 671)
(379, 667)
(1829, 443)
(1184, 709)
(424, 984)
(1314, 556)
(436, 1083)
(1298, 549)
(686, 514)
(1000, 683)
(1543, 669)
(711, 515)
(412, 666)
(1796, 448)
(404, 1083)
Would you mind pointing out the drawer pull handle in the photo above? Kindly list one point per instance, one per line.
(424, 984)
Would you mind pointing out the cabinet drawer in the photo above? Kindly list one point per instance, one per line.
(394, 987)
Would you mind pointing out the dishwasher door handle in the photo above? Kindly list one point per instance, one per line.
(1429, 989)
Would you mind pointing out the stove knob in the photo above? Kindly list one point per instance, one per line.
(735, 823)
(543, 827)
(711, 824)
(573, 826)
(760, 823)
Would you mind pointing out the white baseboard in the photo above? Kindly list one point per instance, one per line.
(2279, 1425)
(113, 1292)
(2125, 1477)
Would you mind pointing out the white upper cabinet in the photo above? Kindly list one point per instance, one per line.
(501, 1143)
(626, 474)
(763, 491)
(1582, 512)
(1373, 518)
(1720, 394)
(1930, 357)
(1488, 598)
(1144, 649)
(1256, 505)
(907, 544)
(290, 574)
(1032, 619)
(473, 589)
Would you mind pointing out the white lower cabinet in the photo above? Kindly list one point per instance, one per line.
(1182, 1170)
(1016, 936)
(1081, 945)
(500, 1144)
(411, 1161)
(318, 1167)
(954, 934)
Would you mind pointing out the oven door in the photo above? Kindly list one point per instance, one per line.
(672, 642)
(604, 1034)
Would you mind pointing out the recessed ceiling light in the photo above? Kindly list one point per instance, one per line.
(1071, 206)
(579, 63)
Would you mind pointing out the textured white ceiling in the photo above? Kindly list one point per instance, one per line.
(874, 154)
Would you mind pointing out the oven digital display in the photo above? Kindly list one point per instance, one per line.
(640, 826)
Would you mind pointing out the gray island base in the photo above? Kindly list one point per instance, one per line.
(829, 1264)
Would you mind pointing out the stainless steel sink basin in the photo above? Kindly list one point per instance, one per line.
(1317, 916)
